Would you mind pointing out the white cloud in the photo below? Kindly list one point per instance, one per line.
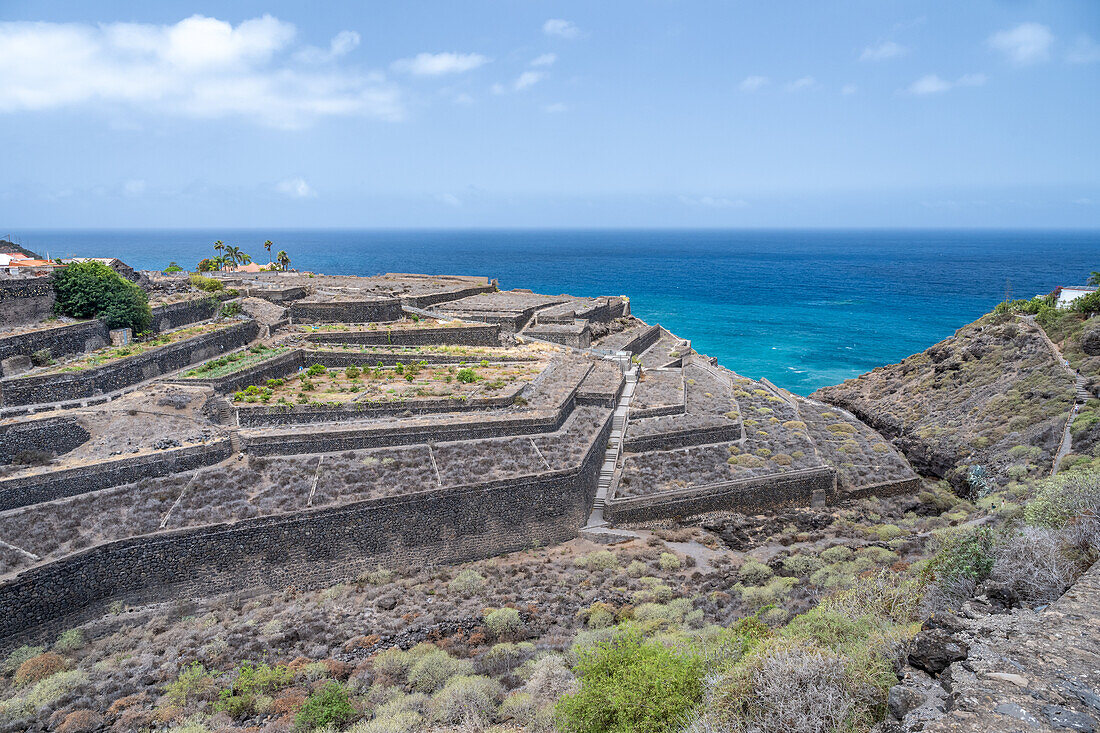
(799, 84)
(933, 84)
(463, 99)
(555, 108)
(754, 83)
(133, 187)
(438, 64)
(711, 202)
(1027, 43)
(883, 51)
(1084, 202)
(849, 89)
(561, 28)
(199, 67)
(498, 89)
(1083, 51)
(547, 59)
(449, 199)
(341, 44)
(528, 79)
(296, 188)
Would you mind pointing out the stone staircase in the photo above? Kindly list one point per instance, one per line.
(611, 457)
(1081, 388)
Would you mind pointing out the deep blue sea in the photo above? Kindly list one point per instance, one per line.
(804, 308)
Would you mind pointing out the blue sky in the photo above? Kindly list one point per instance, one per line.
(505, 113)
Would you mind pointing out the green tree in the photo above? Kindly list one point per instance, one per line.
(207, 264)
(326, 706)
(94, 290)
(173, 267)
(1094, 278)
(282, 260)
(268, 244)
(629, 685)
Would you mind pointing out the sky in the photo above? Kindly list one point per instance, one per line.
(523, 113)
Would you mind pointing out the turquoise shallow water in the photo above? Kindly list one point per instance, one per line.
(802, 308)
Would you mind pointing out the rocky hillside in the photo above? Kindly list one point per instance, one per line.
(989, 403)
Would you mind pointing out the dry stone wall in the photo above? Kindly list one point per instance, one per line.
(25, 301)
(748, 496)
(54, 435)
(347, 311)
(451, 336)
(184, 313)
(330, 439)
(305, 550)
(127, 371)
(38, 488)
(75, 338)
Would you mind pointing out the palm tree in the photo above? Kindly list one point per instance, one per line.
(267, 245)
(282, 260)
(243, 258)
(233, 254)
(219, 246)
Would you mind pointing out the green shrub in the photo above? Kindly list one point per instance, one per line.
(503, 622)
(1065, 498)
(467, 699)
(837, 553)
(208, 284)
(802, 565)
(431, 667)
(468, 581)
(754, 573)
(629, 685)
(326, 706)
(193, 681)
(962, 553)
(352, 372)
(636, 569)
(669, 561)
(68, 641)
(231, 309)
(316, 370)
(94, 290)
(466, 375)
(54, 687)
(599, 560)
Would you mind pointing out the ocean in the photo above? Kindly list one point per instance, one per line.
(804, 308)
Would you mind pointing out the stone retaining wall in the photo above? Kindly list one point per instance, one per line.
(577, 335)
(55, 435)
(124, 372)
(75, 338)
(176, 315)
(642, 341)
(683, 438)
(291, 361)
(268, 415)
(748, 496)
(35, 489)
(25, 301)
(347, 311)
(329, 438)
(306, 550)
(452, 336)
(424, 301)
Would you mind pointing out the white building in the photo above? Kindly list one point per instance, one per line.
(1066, 295)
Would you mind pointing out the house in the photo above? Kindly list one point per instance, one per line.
(250, 267)
(1064, 296)
(113, 262)
(18, 264)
